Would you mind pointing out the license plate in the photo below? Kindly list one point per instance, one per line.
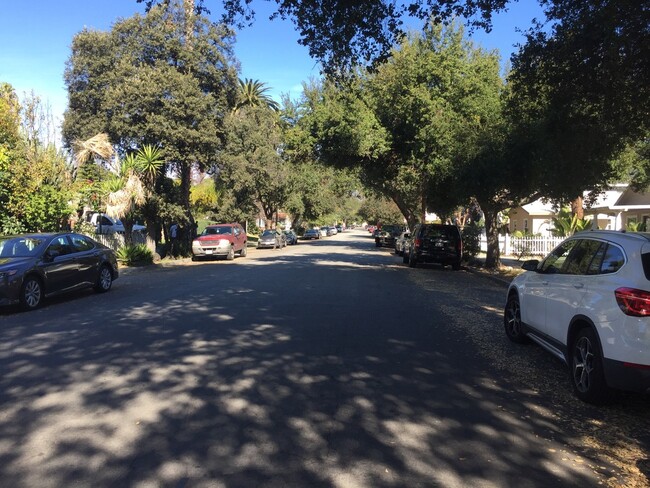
(208, 251)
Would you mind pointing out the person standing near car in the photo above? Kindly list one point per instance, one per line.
(173, 239)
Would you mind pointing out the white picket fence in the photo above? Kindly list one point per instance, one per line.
(116, 240)
(524, 246)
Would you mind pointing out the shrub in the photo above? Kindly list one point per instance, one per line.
(136, 255)
(472, 240)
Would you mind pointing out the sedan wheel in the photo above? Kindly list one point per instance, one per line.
(412, 260)
(512, 320)
(104, 280)
(244, 251)
(31, 293)
(587, 368)
(231, 254)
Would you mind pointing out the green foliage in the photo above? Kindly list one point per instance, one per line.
(408, 125)
(581, 84)
(205, 197)
(9, 225)
(163, 79)
(636, 227)
(376, 210)
(566, 224)
(472, 239)
(250, 164)
(135, 255)
(252, 93)
(347, 33)
(35, 179)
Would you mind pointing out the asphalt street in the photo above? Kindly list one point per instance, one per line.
(326, 364)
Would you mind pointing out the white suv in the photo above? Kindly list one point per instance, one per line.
(588, 304)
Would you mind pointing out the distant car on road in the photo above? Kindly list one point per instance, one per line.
(220, 240)
(400, 242)
(435, 243)
(311, 234)
(271, 239)
(35, 266)
(387, 234)
(291, 237)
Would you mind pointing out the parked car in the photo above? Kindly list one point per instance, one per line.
(330, 231)
(105, 224)
(400, 242)
(271, 239)
(371, 228)
(35, 266)
(340, 228)
(323, 231)
(588, 303)
(386, 235)
(435, 243)
(220, 240)
(311, 234)
(291, 237)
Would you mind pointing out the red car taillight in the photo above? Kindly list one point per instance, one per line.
(633, 302)
(417, 242)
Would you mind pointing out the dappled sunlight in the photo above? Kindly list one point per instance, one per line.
(235, 384)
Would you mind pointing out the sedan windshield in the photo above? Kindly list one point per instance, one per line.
(268, 233)
(19, 247)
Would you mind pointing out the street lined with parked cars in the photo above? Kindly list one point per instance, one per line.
(431, 357)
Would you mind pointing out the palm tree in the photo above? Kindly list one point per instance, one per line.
(97, 147)
(252, 93)
(129, 188)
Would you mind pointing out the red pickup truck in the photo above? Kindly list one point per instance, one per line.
(224, 240)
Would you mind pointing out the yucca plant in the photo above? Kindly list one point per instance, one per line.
(567, 224)
(135, 255)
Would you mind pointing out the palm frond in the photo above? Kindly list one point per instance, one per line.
(98, 146)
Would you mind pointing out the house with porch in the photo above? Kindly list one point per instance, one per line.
(615, 209)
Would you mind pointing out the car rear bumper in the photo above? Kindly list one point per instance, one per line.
(628, 377)
(441, 258)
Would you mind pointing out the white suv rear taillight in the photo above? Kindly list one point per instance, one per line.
(633, 302)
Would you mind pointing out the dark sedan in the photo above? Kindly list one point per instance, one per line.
(387, 234)
(35, 266)
(291, 237)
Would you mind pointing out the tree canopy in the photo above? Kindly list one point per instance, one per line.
(148, 82)
(343, 33)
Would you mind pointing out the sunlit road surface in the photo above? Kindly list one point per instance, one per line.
(326, 364)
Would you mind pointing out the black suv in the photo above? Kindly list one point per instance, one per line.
(435, 243)
(387, 234)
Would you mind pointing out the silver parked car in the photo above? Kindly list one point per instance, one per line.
(401, 241)
(34, 266)
(272, 239)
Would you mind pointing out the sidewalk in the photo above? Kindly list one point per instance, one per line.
(510, 267)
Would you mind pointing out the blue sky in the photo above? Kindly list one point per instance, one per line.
(36, 35)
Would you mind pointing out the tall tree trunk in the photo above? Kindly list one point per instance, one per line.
(577, 208)
(493, 257)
